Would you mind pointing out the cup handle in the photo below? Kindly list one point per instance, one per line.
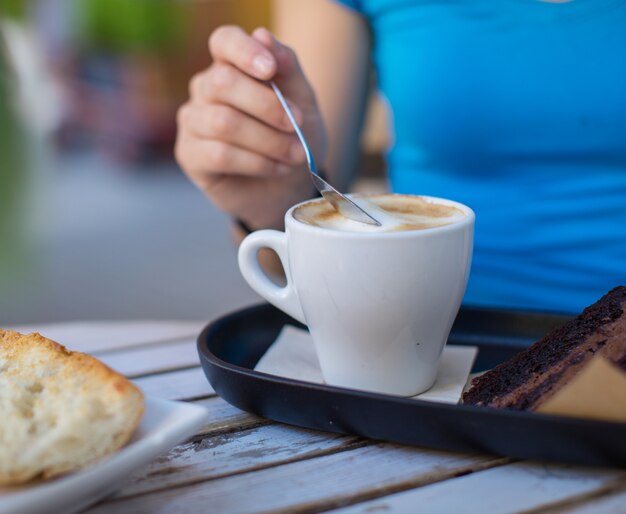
(285, 298)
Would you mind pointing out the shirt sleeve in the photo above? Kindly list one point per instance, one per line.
(352, 4)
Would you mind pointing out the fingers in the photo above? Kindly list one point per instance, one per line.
(234, 124)
(224, 123)
(231, 44)
(203, 159)
(262, 57)
(225, 84)
(289, 75)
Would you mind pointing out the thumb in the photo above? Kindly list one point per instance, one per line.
(289, 76)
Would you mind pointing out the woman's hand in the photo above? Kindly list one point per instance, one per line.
(235, 141)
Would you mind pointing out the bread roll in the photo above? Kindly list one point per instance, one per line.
(59, 410)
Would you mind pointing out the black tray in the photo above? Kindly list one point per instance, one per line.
(231, 346)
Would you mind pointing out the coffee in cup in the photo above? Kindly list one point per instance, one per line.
(394, 212)
(379, 301)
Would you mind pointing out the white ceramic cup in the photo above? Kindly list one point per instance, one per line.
(379, 305)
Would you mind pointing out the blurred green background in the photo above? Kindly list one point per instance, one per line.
(123, 65)
(96, 220)
(13, 186)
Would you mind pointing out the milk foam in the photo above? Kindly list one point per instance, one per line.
(394, 212)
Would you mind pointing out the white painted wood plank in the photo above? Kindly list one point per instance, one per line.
(95, 336)
(321, 482)
(152, 359)
(613, 503)
(230, 453)
(503, 490)
(224, 417)
(176, 385)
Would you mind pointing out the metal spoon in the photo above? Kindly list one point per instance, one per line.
(342, 203)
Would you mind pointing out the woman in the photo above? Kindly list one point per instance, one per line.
(514, 107)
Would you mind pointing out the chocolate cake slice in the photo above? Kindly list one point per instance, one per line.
(535, 374)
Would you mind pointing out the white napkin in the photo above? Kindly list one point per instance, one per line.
(292, 355)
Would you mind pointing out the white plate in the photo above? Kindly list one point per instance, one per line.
(163, 426)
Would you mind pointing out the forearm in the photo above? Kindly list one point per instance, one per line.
(333, 44)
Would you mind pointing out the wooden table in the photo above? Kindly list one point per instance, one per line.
(243, 463)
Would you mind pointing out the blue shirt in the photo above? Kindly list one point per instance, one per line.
(516, 108)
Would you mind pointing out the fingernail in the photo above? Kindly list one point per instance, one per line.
(263, 64)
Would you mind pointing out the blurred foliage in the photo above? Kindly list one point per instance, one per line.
(15, 9)
(131, 25)
(13, 174)
(124, 65)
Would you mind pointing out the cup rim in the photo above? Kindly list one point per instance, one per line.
(470, 216)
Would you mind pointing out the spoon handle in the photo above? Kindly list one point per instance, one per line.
(292, 119)
(341, 202)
